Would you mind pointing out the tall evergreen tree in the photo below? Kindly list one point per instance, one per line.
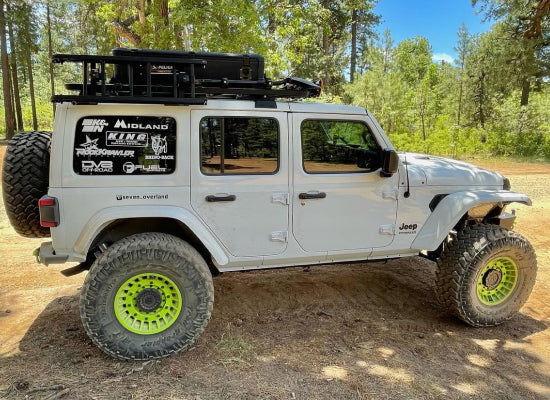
(8, 107)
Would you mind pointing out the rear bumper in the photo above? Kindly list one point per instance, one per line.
(46, 255)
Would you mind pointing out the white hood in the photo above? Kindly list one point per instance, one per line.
(438, 171)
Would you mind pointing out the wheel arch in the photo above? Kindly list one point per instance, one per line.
(113, 224)
(455, 207)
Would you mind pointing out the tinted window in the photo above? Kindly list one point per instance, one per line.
(239, 145)
(338, 146)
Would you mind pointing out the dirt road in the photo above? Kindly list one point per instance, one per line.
(358, 331)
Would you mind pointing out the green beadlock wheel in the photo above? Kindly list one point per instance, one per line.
(147, 303)
(147, 296)
(497, 280)
(485, 274)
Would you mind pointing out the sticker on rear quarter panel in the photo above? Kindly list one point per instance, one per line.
(124, 145)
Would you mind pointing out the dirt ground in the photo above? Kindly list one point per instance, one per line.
(360, 331)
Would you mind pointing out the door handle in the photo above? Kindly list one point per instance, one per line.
(227, 197)
(312, 195)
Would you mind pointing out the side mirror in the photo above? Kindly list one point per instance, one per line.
(390, 162)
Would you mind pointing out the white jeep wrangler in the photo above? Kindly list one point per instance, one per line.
(183, 166)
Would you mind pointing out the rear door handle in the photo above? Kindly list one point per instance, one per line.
(312, 195)
(228, 197)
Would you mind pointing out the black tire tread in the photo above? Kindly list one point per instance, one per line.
(109, 261)
(458, 258)
(25, 179)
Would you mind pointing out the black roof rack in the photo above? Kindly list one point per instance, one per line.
(176, 77)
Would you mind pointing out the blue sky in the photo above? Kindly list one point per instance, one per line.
(438, 21)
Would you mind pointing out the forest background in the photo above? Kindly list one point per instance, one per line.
(493, 100)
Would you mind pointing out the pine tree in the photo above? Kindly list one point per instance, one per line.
(8, 107)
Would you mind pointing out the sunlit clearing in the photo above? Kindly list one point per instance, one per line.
(489, 345)
(385, 352)
(468, 388)
(513, 345)
(478, 360)
(537, 387)
(397, 374)
(335, 372)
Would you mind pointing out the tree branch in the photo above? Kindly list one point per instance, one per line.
(125, 32)
(121, 8)
(535, 30)
(141, 11)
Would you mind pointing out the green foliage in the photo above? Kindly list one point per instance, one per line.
(522, 130)
(44, 114)
(494, 100)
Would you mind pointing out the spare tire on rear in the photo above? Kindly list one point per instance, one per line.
(25, 179)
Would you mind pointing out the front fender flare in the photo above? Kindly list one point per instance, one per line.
(449, 211)
(104, 217)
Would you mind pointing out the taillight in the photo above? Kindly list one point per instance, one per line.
(46, 201)
(49, 211)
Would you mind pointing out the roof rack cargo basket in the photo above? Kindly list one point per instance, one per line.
(176, 77)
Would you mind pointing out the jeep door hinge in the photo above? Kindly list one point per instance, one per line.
(280, 198)
(390, 194)
(279, 236)
(388, 229)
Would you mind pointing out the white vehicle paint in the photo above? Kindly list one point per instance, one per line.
(362, 216)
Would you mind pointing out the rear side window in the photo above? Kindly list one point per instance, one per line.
(330, 146)
(239, 145)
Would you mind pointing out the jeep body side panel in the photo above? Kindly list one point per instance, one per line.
(80, 224)
(267, 225)
(246, 205)
(351, 219)
(449, 211)
(88, 203)
(414, 210)
(104, 217)
(56, 146)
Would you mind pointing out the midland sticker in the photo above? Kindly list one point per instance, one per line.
(125, 145)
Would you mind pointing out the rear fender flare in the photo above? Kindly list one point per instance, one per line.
(103, 218)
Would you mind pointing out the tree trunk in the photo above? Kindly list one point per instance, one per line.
(8, 109)
(50, 53)
(423, 127)
(164, 11)
(481, 99)
(14, 80)
(326, 55)
(141, 11)
(16, 95)
(459, 114)
(525, 91)
(185, 38)
(460, 92)
(31, 90)
(353, 56)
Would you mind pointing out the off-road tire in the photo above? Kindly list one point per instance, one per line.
(25, 179)
(155, 253)
(461, 263)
